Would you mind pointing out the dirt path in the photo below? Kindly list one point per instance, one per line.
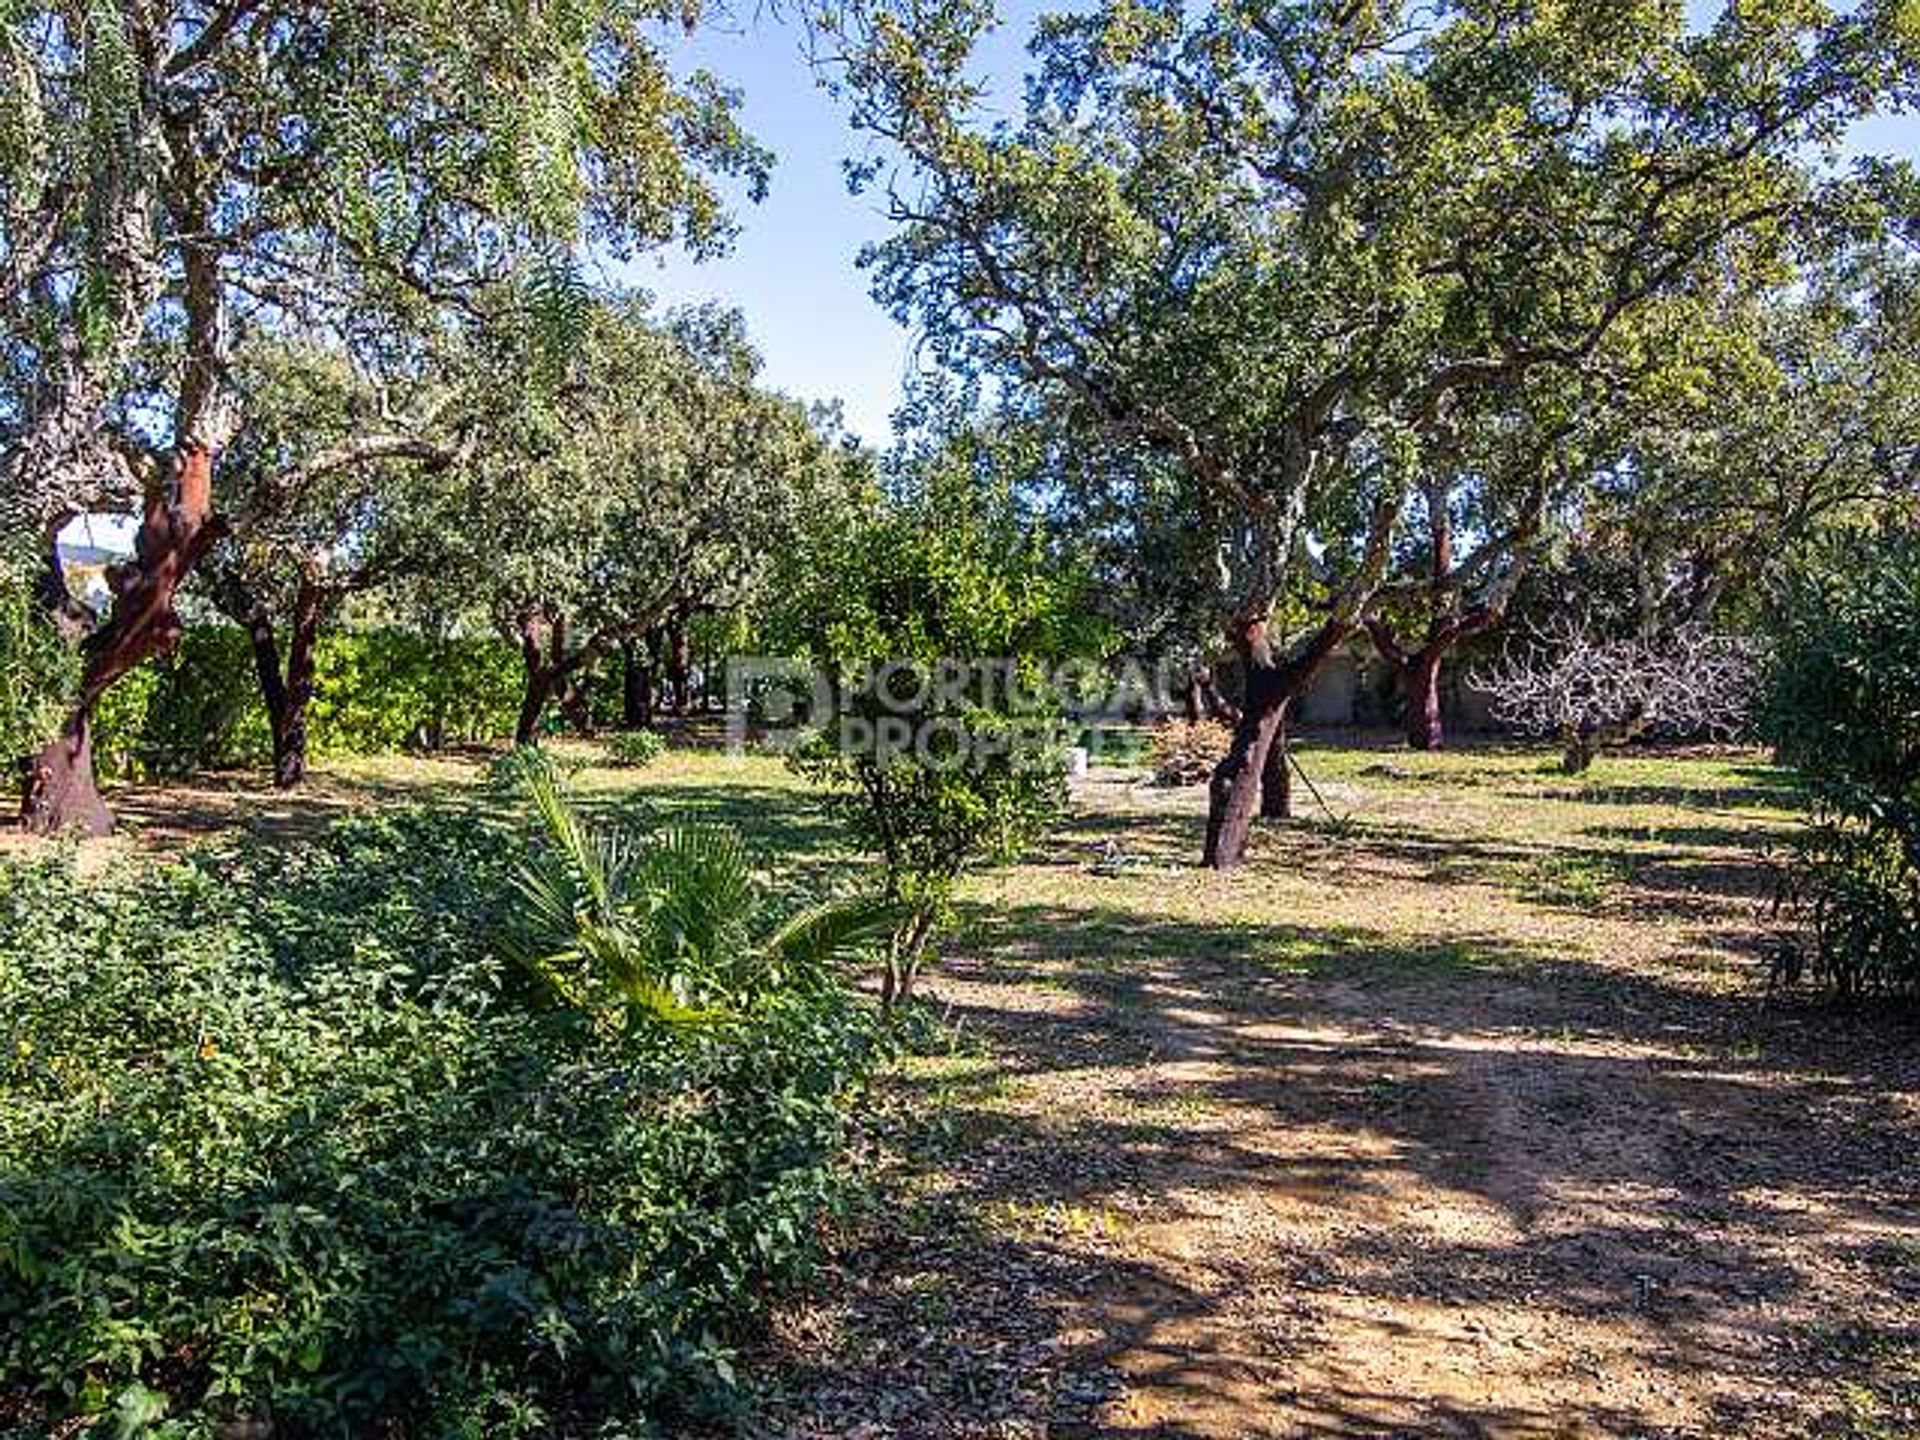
(1366, 1143)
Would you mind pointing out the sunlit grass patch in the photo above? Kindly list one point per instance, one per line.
(1577, 879)
(1045, 1219)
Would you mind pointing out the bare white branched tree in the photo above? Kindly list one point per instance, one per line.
(1591, 692)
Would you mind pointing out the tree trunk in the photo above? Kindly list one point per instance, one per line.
(60, 794)
(1577, 756)
(175, 532)
(1276, 775)
(290, 728)
(576, 703)
(679, 666)
(1271, 686)
(533, 704)
(636, 688)
(1420, 689)
(1234, 792)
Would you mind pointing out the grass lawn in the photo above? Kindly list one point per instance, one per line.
(1461, 1110)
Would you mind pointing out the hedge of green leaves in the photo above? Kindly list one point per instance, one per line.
(38, 672)
(1846, 713)
(375, 691)
(282, 1140)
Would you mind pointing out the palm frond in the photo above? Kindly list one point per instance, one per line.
(700, 894)
(596, 865)
(664, 930)
(823, 933)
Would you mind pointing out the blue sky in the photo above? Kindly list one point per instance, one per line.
(792, 271)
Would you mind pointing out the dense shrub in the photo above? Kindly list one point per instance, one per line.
(510, 771)
(198, 708)
(1845, 711)
(638, 747)
(38, 672)
(1185, 752)
(375, 691)
(281, 1138)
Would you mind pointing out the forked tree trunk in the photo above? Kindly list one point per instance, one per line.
(1417, 672)
(175, 532)
(1272, 685)
(550, 668)
(286, 692)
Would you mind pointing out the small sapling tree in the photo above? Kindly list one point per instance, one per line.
(936, 622)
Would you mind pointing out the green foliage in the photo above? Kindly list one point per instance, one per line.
(1846, 713)
(283, 1138)
(375, 691)
(638, 748)
(196, 709)
(37, 671)
(658, 481)
(934, 776)
(1286, 249)
(664, 928)
(523, 765)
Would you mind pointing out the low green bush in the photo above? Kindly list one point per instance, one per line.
(38, 671)
(510, 771)
(198, 708)
(284, 1139)
(638, 748)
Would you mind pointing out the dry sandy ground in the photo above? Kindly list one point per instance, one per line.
(1466, 1117)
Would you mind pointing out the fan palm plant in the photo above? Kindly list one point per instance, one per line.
(670, 927)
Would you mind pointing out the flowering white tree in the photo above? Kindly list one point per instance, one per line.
(1591, 692)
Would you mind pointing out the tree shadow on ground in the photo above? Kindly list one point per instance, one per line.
(1687, 1173)
(203, 807)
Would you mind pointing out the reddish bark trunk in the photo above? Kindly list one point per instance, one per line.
(1272, 685)
(60, 791)
(1420, 689)
(1417, 672)
(175, 532)
(288, 695)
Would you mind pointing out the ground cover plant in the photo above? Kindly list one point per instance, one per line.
(287, 1140)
